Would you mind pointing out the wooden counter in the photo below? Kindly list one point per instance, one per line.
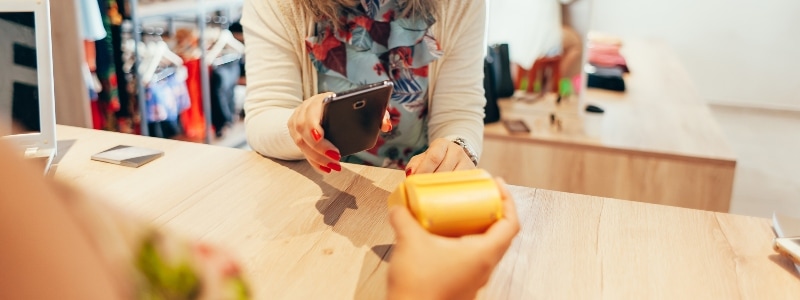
(300, 235)
(658, 141)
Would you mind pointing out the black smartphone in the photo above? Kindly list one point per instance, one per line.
(516, 126)
(352, 119)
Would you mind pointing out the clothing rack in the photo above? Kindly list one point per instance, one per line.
(199, 10)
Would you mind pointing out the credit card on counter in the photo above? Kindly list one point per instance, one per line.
(128, 156)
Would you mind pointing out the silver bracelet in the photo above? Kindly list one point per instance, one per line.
(467, 149)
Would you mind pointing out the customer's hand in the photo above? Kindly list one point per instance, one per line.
(427, 266)
(442, 156)
(306, 131)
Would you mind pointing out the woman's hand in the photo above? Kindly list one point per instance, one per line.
(442, 156)
(306, 131)
(427, 266)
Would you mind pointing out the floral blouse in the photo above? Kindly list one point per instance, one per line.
(374, 45)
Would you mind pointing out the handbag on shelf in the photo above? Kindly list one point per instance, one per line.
(504, 84)
(491, 110)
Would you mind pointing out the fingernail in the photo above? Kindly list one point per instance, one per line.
(333, 155)
(390, 127)
(230, 269)
(324, 169)
(204, 250)
(335, 167)
(316, 135)
(408, 172)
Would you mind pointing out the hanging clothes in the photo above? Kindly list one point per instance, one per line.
(166, 99)
(193, 120)
(89, 68)
(91, 30)
(224, 79)
(127, 104)
(91, 22)
(128, 115)
(106, 70)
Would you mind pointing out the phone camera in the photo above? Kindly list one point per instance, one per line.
(359, 104)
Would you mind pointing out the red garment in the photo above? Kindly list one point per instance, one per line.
(98, 118)
(192, 119)
(98, 115)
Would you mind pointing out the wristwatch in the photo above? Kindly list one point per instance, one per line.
(467, 149)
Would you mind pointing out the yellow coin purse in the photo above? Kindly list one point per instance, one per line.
(451, 204)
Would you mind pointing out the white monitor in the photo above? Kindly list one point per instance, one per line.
(26, 77)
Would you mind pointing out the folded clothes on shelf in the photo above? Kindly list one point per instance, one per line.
(605, 71)
(606, 65)
(604, 51)
(609, 78)
(606, 83)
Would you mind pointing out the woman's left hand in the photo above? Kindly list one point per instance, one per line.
(442, 156)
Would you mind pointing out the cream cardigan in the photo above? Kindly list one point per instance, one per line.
(280, 74)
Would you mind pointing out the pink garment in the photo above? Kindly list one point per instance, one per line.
(577, 83)
(606, 55)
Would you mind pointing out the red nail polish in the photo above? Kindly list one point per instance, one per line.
(230, 269)
(333, 155)
(324, 169)
(316, 135)
(335, 167)
(204, 249)
(408, 172)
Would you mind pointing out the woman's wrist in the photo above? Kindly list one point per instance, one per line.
(468, 150)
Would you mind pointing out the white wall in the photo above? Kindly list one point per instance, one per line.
(744, 52)
(579, 13)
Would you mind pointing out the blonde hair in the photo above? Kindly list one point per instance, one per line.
(332, 9)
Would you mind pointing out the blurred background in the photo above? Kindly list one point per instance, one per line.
(734, 58)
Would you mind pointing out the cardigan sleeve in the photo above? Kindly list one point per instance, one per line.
(458, 97)
(274, 80)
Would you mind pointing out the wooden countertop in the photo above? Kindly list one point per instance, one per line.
(300, 235)
(659, 114)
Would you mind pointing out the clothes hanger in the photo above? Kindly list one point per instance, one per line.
(225, 39)
(160, 52)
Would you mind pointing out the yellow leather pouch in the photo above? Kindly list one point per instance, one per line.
(451, 204)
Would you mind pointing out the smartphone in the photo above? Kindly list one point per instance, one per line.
(789, 247)
(352, 119)
(516, 126)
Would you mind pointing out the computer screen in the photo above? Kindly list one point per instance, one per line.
(19, 92)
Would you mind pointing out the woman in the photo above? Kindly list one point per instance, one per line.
(299, 50)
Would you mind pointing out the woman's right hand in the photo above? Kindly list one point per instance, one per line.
(306, 131)
(307, 134)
